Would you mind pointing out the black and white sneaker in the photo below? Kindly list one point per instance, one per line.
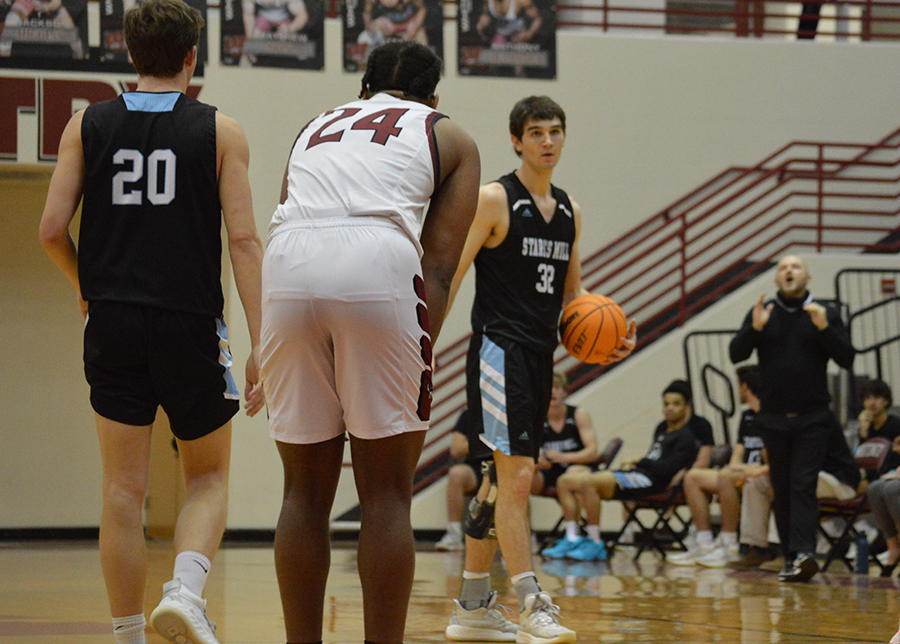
(803, 568)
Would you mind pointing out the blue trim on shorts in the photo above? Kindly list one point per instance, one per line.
(632, 480)
(231, 390)
(492, 384)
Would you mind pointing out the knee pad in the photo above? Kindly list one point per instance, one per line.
(480, 517)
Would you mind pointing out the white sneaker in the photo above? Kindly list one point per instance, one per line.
(480, 625)
(450, 542)
(181, 616)
(720, 557)
(539, 622)
(896, 638)
(690, 557)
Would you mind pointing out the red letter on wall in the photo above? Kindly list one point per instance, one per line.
(18, 94)
(57, 97)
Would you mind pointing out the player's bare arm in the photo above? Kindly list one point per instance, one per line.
(488, 229)
(534, 16)
(244, 245)
(63, 197)
(573, 286)
(450, 214)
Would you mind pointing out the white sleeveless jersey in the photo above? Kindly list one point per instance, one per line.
(375, 157)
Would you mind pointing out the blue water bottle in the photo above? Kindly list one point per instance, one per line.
(862, 556)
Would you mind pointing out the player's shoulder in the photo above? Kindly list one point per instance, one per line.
(493, 193)
(228, 130)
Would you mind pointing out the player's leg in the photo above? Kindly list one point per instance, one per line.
(514, 474)
(699, 485)
(205, 462)
(125, 455)
(115, 365)
(568, 487)
(198, 532)
(383, 469)
(461, 481)
(302, 540)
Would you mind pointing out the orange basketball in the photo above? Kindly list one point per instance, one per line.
(591, 326)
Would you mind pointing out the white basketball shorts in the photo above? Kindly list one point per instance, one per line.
(345, 344)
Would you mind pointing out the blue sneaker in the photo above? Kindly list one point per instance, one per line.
(562, 548)
(588, 550)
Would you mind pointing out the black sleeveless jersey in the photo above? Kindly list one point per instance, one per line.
(519, 284)
(151, 218)
(567, 440)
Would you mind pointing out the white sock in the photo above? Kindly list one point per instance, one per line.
(728, 538)
(130, 630)
(572, 532)
(704, 538)
(455, 528)
(192, 568)
(593, 531)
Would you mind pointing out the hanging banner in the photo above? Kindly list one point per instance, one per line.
(273, 33)
(112, 37)
(507, 38)
(49, 30)
(369, 23)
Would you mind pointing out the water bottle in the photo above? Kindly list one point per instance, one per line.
(862, 555)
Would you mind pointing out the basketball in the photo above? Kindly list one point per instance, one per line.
(590, 328)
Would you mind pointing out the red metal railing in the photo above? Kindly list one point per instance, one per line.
(862, 20)
(817, 196)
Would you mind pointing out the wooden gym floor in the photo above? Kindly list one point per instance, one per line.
(52, 593)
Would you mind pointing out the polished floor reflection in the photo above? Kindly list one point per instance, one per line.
(53, 593)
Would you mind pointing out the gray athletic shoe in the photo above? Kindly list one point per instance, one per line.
(480, 625)
(181, 616)
(539, 622)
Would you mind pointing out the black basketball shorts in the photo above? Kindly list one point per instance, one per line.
(138, 358)
(508, 393)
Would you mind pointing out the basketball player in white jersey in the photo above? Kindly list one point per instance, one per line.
(355, 287)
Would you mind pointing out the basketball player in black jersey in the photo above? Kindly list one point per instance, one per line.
(524, 243)
(157, 172)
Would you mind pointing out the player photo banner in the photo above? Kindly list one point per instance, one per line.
(114, 53)
(369, 23)
(273, 33)
(507, 38)
(46, 30)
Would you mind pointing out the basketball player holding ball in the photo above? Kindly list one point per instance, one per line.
(524, 243)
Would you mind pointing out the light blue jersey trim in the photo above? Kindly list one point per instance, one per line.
(231, 390)
(150, 101)
(492, 383)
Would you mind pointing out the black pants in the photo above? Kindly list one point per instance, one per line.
(809, 20)
(796, 448)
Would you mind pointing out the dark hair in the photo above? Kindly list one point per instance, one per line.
(534, 108)
(877, 388)
(160, 34)
(404, 66)
(680, 387)
(749, 375)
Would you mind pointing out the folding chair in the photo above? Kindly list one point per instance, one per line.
(870, 455)
(670, 526)
(604, 460)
